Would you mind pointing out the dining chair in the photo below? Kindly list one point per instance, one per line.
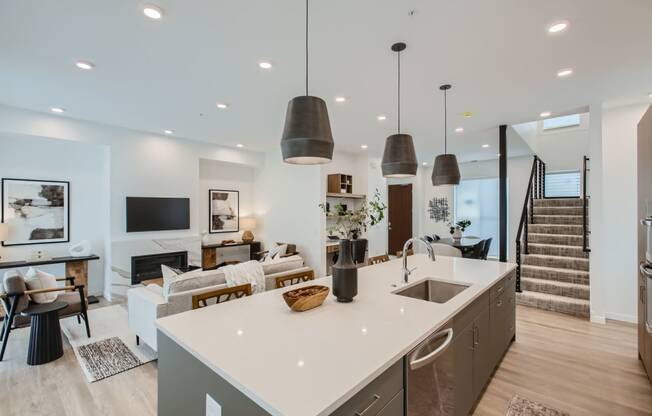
(487, 245)
(410, 252)
(295, 278)
(377, 259)
(221, 295)
(477, 251)
(446, 250)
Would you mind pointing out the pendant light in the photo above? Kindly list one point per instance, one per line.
(399, 158)
(446, 171)
(307, 137)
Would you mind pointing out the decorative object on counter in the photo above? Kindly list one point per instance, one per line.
(39, 255)
(223, 211)
(248, 224)
(307, 137)
(359, 250)
(81, 249)
(458, 228)
(399, 158)
(345, 274)
(520, 406)
(446, 170)
(305, 298)
(439, 210)
(36, 211)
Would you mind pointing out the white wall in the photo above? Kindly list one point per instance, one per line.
(615, 231)
(86, 167)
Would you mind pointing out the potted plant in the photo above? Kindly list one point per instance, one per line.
(458, 228)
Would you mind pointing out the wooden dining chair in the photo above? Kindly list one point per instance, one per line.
(295, 278)
(221, 295)
(377, 259)
(410, 252)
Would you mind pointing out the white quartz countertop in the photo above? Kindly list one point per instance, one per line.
(310, 363)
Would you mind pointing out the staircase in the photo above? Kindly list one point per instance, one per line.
(555, 272)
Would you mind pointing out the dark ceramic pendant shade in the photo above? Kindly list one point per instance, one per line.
(399, 157)
(446, 171)
(307, 137)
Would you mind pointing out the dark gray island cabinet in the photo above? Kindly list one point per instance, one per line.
(450, 384)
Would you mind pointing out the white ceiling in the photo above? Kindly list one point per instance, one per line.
(156, 75)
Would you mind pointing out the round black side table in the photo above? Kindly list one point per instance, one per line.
(45, 343)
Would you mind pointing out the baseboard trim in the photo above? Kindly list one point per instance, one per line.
(621, 317)
(598, 319)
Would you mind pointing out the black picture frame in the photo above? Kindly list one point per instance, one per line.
(66, 211)
(214, 228)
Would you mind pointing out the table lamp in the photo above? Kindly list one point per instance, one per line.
(248, 224)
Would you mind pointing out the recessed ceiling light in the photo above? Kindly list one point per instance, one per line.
(153, 12)
(364, 146)
(222, 106)
(485, 145)
(650, 95)
(558, 27)
(467, 114)
(265, 64)
(84, 65)
(545, 114)
(57, 110)
(565, 72)
(168, 131)
(425, 163)
(340, 99)
(381, 118)
(459, 130)
(240, 145)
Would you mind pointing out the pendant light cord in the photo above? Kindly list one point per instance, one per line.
(445, 124)
(399, 93)
(306, 48)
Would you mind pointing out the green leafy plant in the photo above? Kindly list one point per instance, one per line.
(351, 224)
(462, 224)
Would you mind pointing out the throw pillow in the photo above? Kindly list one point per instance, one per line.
(37, 279)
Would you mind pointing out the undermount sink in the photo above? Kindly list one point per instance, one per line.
(432, 290)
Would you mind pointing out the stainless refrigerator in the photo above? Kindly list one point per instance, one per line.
(644, 166)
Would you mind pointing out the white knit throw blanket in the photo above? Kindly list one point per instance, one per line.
(243, 273)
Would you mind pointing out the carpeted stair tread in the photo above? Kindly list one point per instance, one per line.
(552, 287)
(564, 229)
(557, 250)
(555, 303)
(558, 202)
(558, 210)
(559, 219)
(555, 274)
(560, 239)
(573, 263)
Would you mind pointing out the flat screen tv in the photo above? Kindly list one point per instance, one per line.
(157, 214)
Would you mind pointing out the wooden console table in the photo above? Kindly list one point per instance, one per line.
(76, 267)
(209, 252)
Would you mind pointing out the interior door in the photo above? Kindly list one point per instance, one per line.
(644, 166)
(399, 199)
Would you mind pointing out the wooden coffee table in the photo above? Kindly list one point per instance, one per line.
(45, 342)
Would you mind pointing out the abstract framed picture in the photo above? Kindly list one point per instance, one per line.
(36, 211)
(223, 211)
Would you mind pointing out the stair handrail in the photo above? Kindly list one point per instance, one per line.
(535, 190)
(585, 205)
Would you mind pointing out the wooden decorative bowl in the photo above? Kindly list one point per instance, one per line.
(305, 298)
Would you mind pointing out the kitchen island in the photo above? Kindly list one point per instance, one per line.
(254, 356)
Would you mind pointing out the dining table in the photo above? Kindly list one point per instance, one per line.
(464, 244)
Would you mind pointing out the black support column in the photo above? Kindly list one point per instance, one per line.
(502, 193)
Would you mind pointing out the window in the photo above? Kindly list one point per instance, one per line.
(561, 122)
(563, 184)
(477, 200)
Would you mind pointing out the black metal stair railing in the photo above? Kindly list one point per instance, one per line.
(586, 231)
(536, 190)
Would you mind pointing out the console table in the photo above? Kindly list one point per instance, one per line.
(76, 267)
(209, 252)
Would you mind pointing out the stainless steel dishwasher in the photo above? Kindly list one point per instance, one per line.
(431, 376)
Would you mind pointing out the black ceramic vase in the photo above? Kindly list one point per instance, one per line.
(359, 250)
(345, 274)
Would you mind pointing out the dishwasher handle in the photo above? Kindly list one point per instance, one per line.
(423, 361)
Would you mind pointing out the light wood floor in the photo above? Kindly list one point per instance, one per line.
(567, 363)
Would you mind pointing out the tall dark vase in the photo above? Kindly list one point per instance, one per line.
(359, 250)
(345, 274)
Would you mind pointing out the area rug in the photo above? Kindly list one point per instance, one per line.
(112, 347)
(520, 406)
